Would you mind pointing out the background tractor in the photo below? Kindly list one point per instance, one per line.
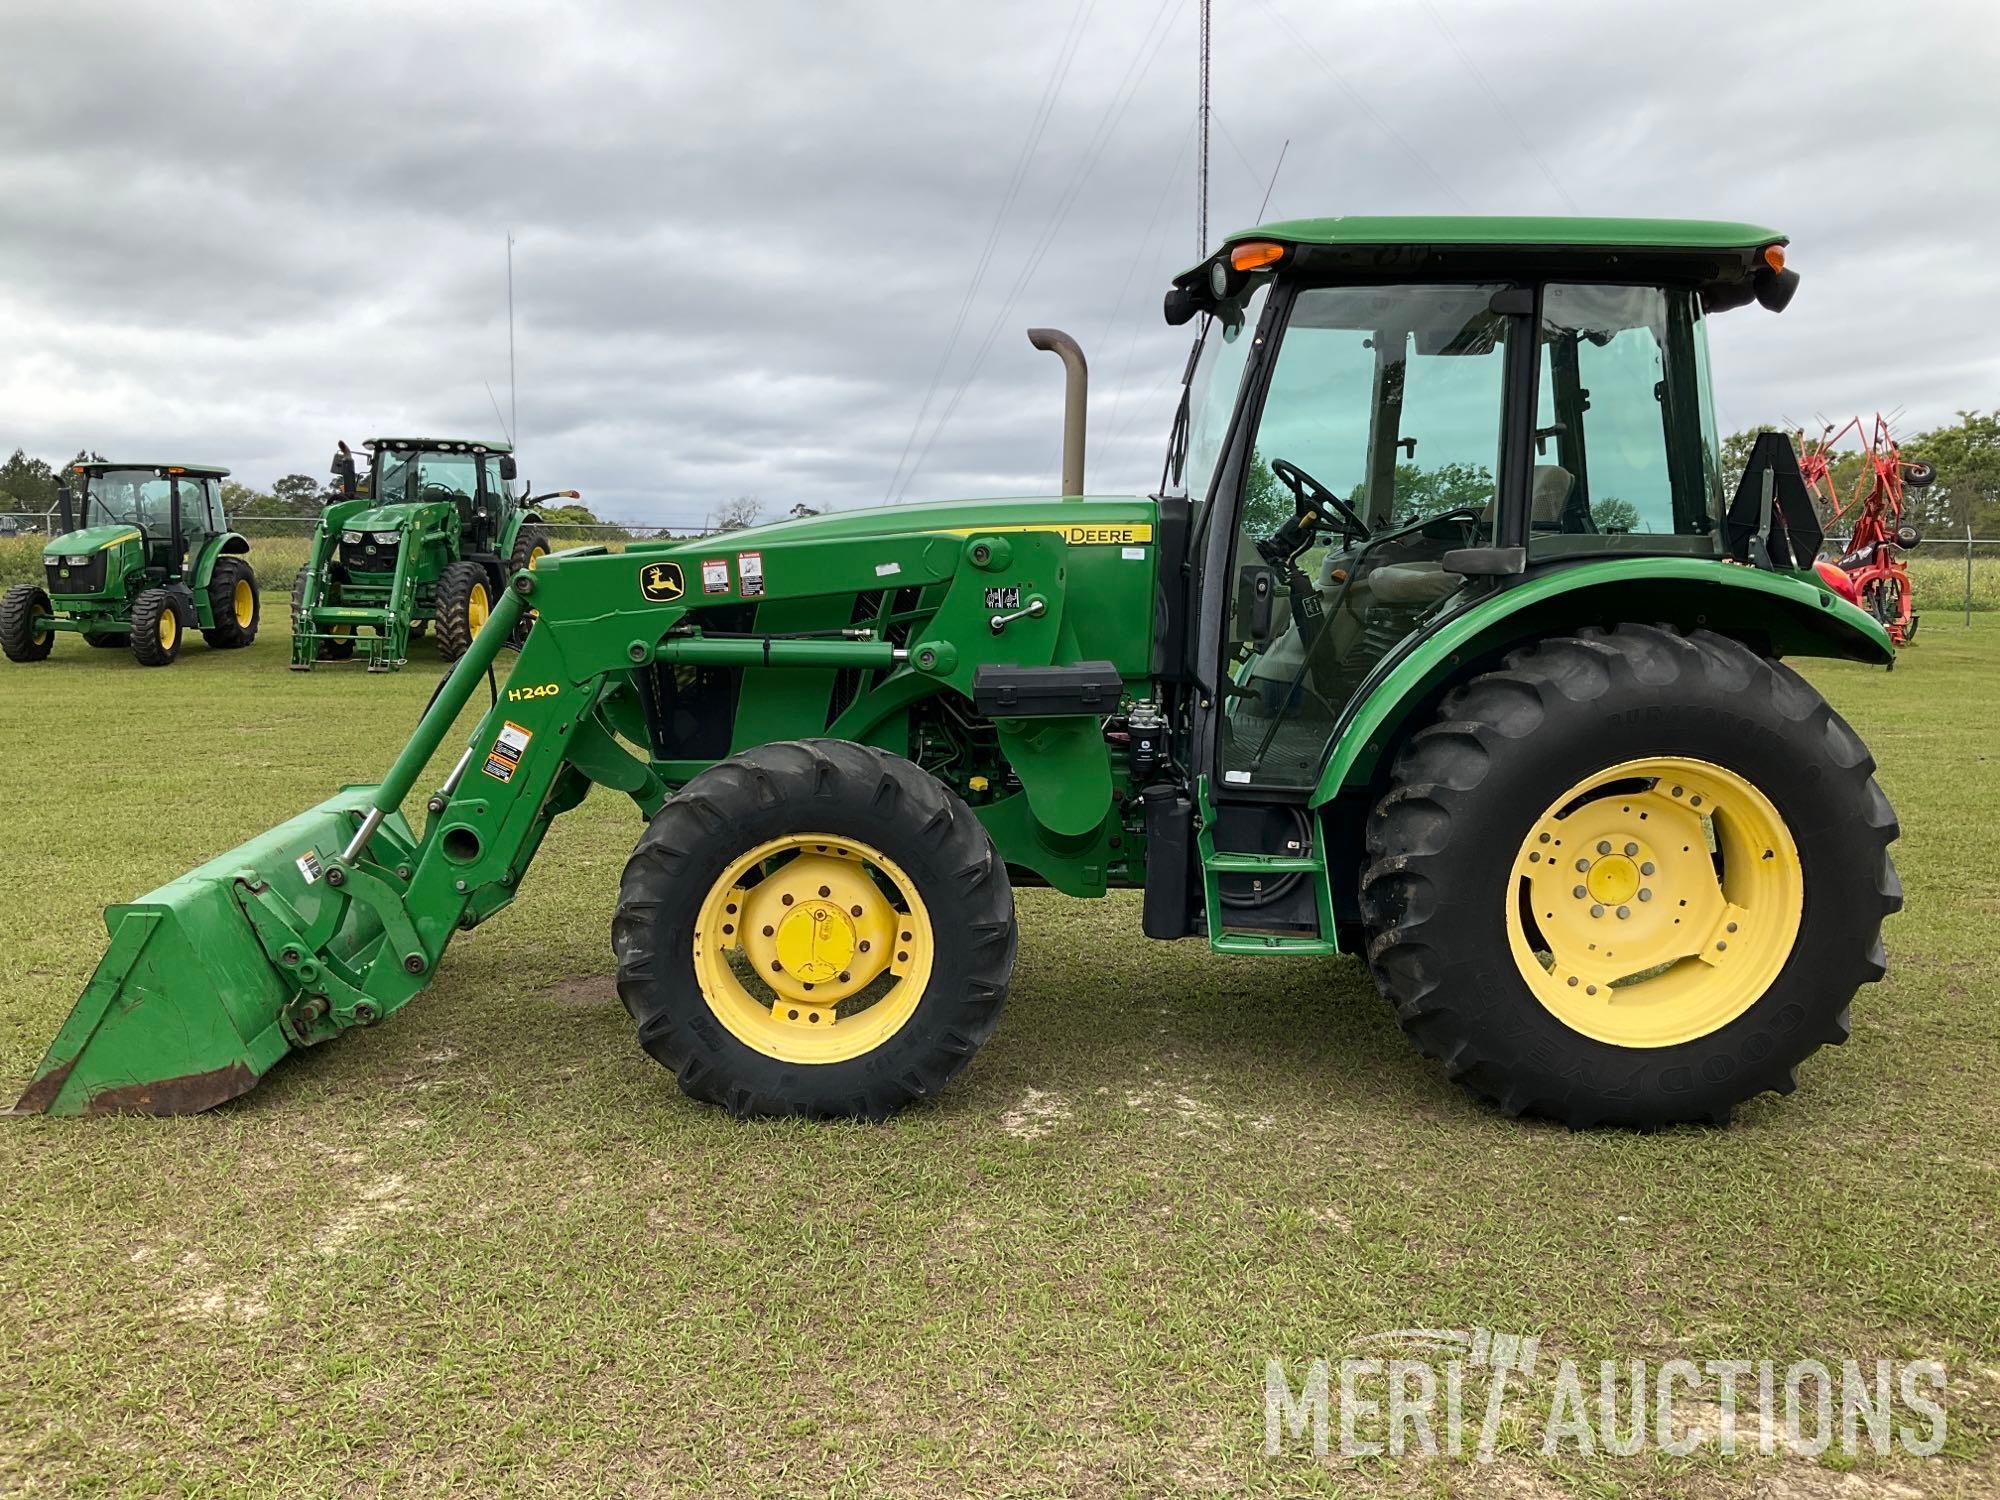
(145, 556)
(426, 539)
(1366, 675)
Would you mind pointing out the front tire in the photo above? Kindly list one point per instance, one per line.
(19, 640)
(814, 928)
(157, 629)
(1699, 807)
(233, 605)
(464, 600)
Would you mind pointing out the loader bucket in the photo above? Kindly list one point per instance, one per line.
(186, 1008)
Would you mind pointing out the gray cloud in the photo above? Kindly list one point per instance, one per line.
(744, 231)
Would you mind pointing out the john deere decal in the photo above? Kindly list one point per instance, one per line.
(661, 582)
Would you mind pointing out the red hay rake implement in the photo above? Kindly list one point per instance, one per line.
(1871, 572)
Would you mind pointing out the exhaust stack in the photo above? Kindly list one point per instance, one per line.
(1076, 398)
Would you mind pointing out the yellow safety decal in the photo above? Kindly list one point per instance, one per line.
(1097, 534)
(661, 582)
(539, 690)
(504, 759)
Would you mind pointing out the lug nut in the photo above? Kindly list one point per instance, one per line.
(1580, 892)
(1631, 849)
(1624, 912)
(1644, 894)
(1604, 846)
(1596, 910)
(1582, 865)
(1646, 868)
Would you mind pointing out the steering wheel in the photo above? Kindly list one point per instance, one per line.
(1316, 500)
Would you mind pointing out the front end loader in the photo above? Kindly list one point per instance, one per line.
(424, 541)
(145, 555)
(1381, 669)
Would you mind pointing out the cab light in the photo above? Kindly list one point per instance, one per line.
(1774, 257)
(1255, 255)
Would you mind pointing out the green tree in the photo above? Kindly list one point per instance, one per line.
(1613, 514)
(29, 481)
(297, 495)
(1267, 504)
(1421, 492)
(1967, 492)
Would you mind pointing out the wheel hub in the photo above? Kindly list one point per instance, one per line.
(1663, 897)
(816, 941)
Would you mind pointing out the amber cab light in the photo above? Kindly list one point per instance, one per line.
(1255, 255)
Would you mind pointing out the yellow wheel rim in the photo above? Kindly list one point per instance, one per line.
(536, 556)
(170, 629)
(477, 607)
(244, 601)
(1655, 901)
(813, 948)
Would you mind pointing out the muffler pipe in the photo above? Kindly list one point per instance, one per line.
(1076, 400)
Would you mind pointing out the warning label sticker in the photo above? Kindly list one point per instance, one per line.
(504, 759)
(715, 575)
(750, 574)
(309, 866)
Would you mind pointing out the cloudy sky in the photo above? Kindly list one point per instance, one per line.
(752, 238)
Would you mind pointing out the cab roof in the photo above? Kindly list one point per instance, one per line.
(447, 445)
(1487, 231)
(103, 465)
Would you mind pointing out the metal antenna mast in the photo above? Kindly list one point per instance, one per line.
(1201, 174)
(513, 410)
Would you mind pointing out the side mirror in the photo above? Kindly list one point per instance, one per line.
(65, 507)
(343, 470)
(507, 467)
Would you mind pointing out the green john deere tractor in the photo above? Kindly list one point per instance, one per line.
(145, 556)
(426, 539)
(1379, 670)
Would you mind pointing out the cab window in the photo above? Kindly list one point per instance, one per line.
(1625, 449)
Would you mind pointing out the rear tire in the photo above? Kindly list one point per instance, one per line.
(18, 639)
(464, 600)
(1446, 894)
(233, 605)
(157, 628)
(674, 928)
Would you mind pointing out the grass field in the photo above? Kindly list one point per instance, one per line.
(489, 1247)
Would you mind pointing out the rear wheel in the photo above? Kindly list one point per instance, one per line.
(814, 928)
(157, 628)
(19, 639)
(232, 600)
(464, 600)
(1635, 878)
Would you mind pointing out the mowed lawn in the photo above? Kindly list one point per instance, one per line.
(488, 1246)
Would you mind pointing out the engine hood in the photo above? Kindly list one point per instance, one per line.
(379, 518)
(89, 539)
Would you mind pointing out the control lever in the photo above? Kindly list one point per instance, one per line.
(1035, 609)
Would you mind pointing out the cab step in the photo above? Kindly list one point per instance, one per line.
(1218, 863)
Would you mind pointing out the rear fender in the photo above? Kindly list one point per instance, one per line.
(1778, 614)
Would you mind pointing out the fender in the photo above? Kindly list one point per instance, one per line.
(1780, 614)
(228, 543)
(512, 530)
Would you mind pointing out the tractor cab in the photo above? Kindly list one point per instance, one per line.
(474, 479)
(175, 509)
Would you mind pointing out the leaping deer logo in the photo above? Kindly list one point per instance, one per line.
(661, 582)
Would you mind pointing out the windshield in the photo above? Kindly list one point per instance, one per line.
(1210, 398)
(403, 476)
(127, 497)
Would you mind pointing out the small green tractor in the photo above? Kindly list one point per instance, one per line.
(427, 539)
(145, 556)
(1379, 670)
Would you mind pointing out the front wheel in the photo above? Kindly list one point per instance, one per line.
(157, 628)
(464, 600)
(1635, 878)
(814, 928)
(19, 640)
